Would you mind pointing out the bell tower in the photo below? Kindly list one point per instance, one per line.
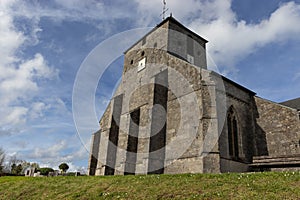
(171, 37)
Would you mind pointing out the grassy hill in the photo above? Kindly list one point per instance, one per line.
(268, 185)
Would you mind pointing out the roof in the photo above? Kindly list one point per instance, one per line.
(238, 85)
(234, 83)
(293, 103)
(173, 20)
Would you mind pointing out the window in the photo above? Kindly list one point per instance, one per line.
(232, 127)
(142, 64)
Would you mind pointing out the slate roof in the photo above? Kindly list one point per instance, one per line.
(171, 20)
(294, 103)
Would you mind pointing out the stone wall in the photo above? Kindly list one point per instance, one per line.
(279, 129)
(209, 90)
(183, 43)
(195, 103)
(240, 100)
(264, 127)
(93, 160)
(138, 90)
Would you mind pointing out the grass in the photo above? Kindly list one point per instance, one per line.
(269, 185)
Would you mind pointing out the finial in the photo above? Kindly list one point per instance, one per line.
(165, 9)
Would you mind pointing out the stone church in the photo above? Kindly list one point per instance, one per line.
(171, 115)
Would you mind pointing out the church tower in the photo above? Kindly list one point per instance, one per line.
(151, 125)
(173, 38)
(170, 114)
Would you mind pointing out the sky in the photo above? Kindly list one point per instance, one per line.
(43, 44)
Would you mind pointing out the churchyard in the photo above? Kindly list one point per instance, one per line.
(266, 185)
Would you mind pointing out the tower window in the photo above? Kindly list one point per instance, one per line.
(143, 53)
(155, 45)
(142, 64)
(131, 62)
(232, 127)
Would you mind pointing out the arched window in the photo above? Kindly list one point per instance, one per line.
(232, 127)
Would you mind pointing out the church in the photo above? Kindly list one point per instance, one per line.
(170, 114)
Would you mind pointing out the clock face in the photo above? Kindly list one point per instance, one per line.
(142, 64)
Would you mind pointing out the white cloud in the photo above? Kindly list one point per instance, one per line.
(54, 155)
(37, 110)
(296, 76)
(10, 39)
(19, 83)
(52, 151)
(19, 77)
(72, 10)
(15, 115)
(230, 39)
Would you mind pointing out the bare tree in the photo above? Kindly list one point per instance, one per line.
(14, 160)
(2, 157)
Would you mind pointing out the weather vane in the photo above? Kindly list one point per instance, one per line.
(165, 9)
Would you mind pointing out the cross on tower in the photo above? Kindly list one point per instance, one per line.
(165, 9)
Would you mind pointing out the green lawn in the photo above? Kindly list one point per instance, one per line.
(267, 185)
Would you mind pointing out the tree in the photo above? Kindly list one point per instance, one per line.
(63, 167)
(13, 160)
(28, 164)
(45, 170)
(17, 166)
(16, 169)
(2, 158)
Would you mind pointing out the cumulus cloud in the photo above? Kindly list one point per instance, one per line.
(58, 153)
(37, 110)
(73, 10)
(19, 83)
(230, 39)
(19, 76)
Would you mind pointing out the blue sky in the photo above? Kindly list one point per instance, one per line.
(43, 43)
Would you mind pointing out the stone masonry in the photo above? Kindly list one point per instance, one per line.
(170, 114)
